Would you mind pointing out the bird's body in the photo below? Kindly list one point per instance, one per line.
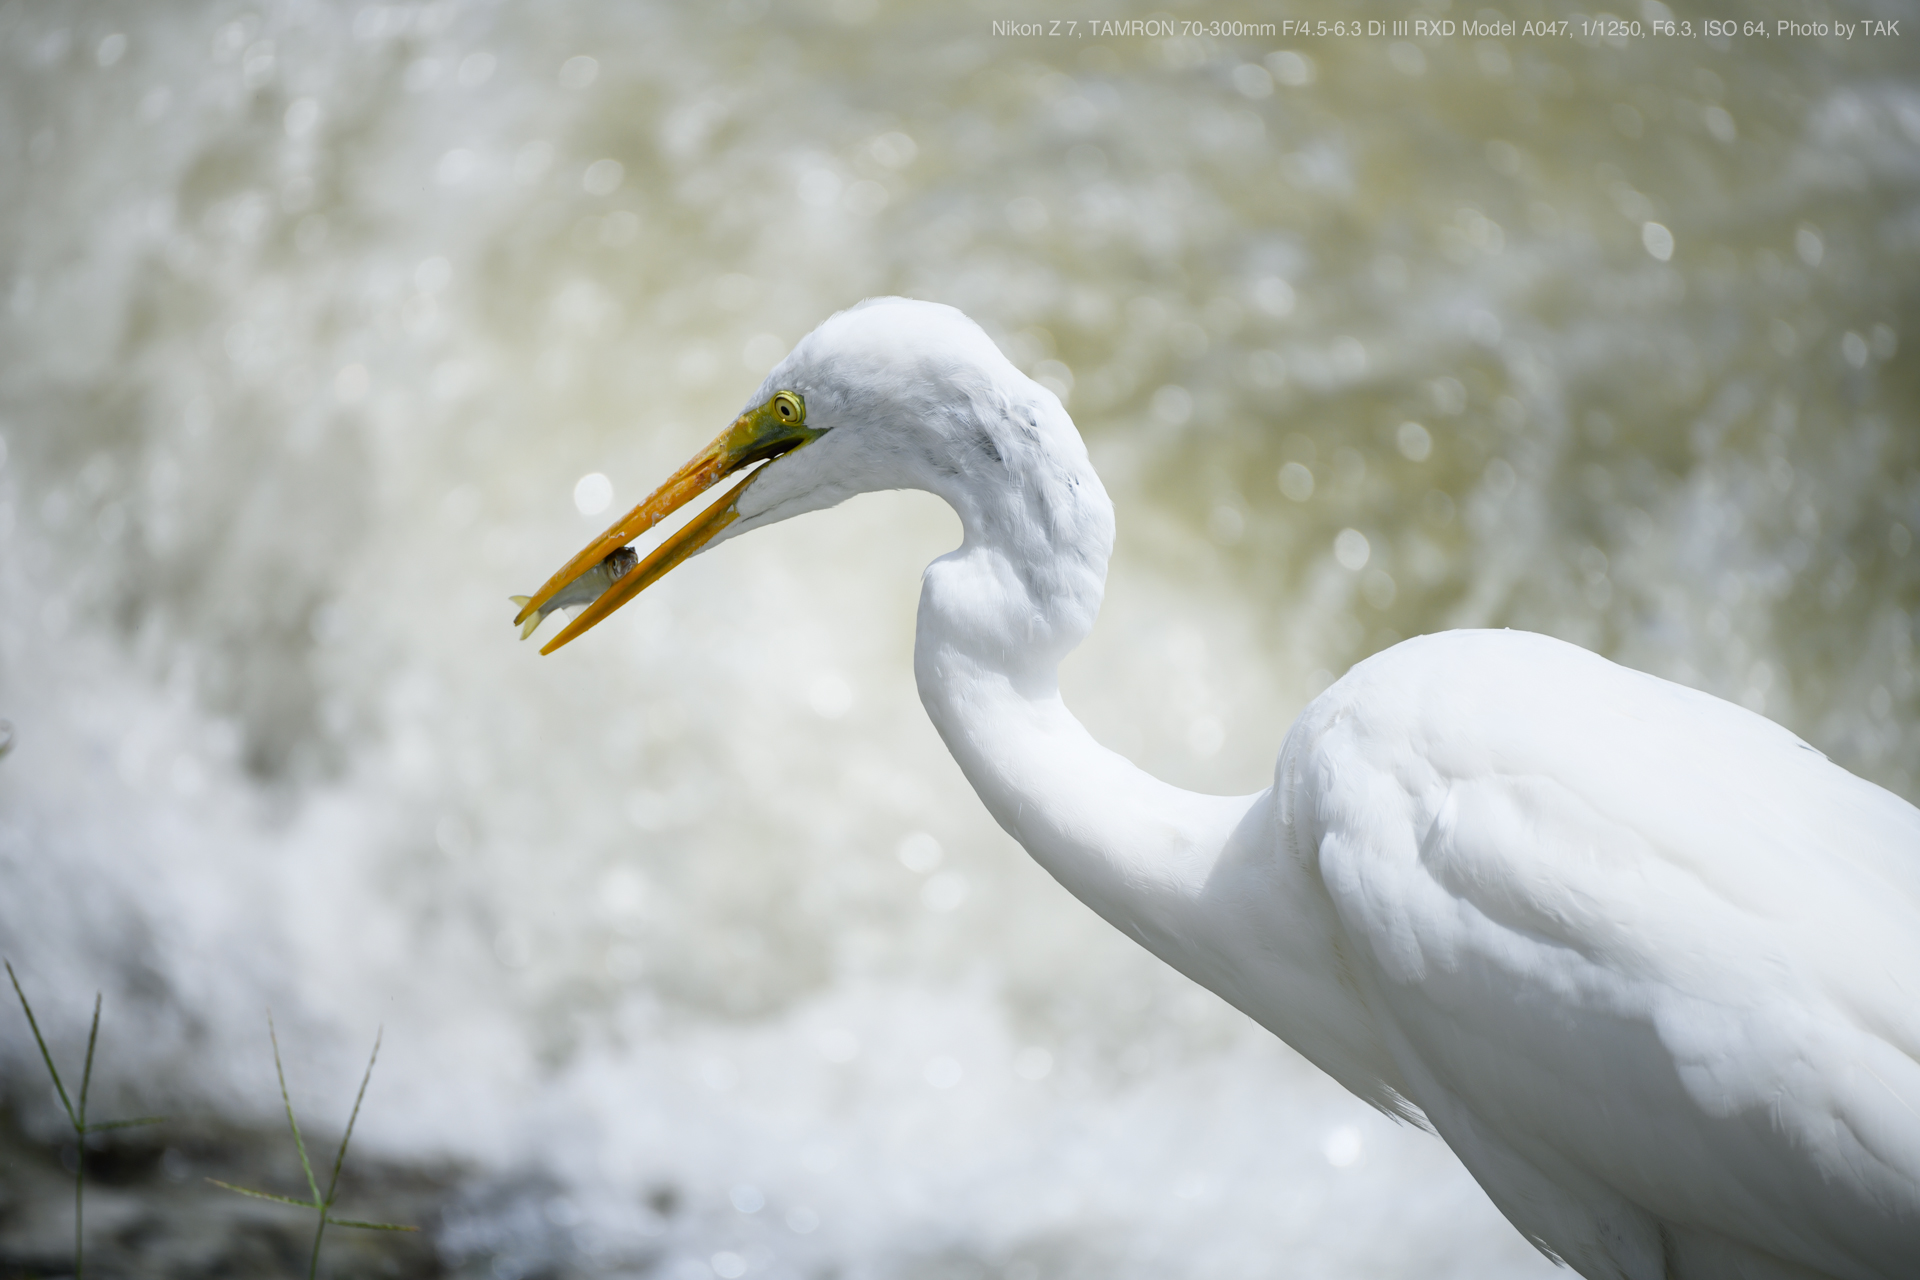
(1645, 960)
(1648, 962)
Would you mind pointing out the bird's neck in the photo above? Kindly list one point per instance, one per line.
(996, 617)
(1220, 887)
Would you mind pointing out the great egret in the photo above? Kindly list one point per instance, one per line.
(1646, 961)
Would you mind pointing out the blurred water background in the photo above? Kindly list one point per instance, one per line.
(325, 327)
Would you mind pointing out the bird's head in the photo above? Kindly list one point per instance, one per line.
(889, 394)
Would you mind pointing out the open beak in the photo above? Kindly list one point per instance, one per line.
(757, 435)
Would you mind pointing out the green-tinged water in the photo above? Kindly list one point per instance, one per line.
(318, 322)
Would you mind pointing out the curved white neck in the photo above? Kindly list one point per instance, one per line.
(1220, 887)
(996, 617)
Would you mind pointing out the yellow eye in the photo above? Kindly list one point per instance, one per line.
(791, 408)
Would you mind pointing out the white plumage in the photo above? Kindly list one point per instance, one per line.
(1646, 961)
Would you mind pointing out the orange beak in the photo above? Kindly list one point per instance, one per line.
(757, 435)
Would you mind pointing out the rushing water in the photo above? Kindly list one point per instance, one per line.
(319, 326)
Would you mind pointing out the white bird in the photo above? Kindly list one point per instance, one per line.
(1645, 960)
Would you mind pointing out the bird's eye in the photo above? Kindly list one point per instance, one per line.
(791, 408)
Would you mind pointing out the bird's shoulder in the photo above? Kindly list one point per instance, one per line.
(1623, 756)
(1555, 791)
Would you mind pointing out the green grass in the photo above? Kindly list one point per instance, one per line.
(321, 1205)
(76, 1116)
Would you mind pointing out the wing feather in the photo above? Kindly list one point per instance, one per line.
(1636, 935)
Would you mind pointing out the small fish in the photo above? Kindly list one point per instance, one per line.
(583, 590)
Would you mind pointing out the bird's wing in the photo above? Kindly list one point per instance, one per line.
(1649, 943)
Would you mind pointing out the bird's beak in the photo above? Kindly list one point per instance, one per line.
(757, 435)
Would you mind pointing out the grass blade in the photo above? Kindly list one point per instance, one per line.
(298, 1142)
(320, 1204)
(358, 1098)
(86, 1076)
(41, 1040)
(78, 1121)
(80, 1143)
(333, 1182)
(263, 1195)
